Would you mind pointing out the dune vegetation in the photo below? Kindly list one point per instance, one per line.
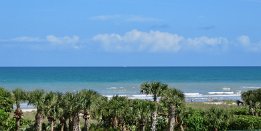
(88, 110)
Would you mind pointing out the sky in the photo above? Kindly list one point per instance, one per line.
(130, 33)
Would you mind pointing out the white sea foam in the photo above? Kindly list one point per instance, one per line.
(112, 88)
(117, 88)
(221, 93)
(251, 87)
(192, 94)
(226, 89)
(189, 97)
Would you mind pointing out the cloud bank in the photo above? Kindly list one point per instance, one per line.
(156, 41)
(137, 41)
(245, 42)
(49, 40)
(66, 40)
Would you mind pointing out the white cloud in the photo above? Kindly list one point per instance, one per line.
(22, 39)
(203, 40)
(245, 41)
(206, 42)
(125, 18)
(63, 40)
(48, 41)
(155, 41)
(137, 40)
(27, 39)
(71, 41)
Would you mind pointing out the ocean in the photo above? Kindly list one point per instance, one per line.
(194, 81)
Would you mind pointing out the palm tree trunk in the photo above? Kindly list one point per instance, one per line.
(39, 121)
(62, 126)
(70, 124)
(86, 118)
(141, 125)
(76, 122)
(62, 123)
(18, 115)
(154, 115)
(154, 120)
(85, 124)
(52, 122)
(172, 120)
(181, 126)
(115, 122)
(65, 127)
(17, 120)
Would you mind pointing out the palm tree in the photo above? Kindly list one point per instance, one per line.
(114, 112)
(67, 103)
(74, 108)
(253, 99)
(142, 110)
(18, 96)
(156, 89)
(88, 98)
(37, 98)
(61, 113)
(50, 110)
(101, 111)
(173, 99)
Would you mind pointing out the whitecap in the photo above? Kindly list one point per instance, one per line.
(251, 87)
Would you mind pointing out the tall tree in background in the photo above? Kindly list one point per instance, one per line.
(142, 112)
(51, 107)
(173, 99)
(18, 96)
(253, 99)
(88, 98)
(155, 89)
(37, 98)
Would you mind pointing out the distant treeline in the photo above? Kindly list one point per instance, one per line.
(88, 110)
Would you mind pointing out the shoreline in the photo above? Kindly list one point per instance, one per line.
(216, 99)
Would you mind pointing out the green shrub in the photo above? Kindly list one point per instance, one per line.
(243, 122)
(194, 120)
(240, 111)
(6, 123)
(216, 118)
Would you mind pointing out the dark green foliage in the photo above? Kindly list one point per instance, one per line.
(162, 124)
(121, 113)
(6, 102)
(252, 98)
(194, 120)
(240, 111)
(153, 88)
(6, 105)
(4, 116)
(217, 119)
(243, 122)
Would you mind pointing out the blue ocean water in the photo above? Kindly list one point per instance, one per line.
(126, 80)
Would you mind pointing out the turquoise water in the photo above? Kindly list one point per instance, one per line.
(126, 80)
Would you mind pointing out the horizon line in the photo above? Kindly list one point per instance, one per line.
(121, 66)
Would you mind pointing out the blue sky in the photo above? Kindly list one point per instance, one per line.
(130, 33)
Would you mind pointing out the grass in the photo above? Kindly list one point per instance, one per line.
(206, 106)
(29, 115)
